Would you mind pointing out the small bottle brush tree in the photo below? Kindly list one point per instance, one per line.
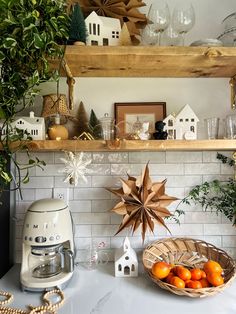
(78, 31)
(31, 32)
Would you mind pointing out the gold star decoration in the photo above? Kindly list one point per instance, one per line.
(124, 10)
(143, 203)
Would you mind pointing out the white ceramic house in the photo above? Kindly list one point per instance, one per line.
(183, 126)
(170, 126)
(102, 31)
(126, 261)
(34, 125)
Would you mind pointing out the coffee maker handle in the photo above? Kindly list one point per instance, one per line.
(68, 260)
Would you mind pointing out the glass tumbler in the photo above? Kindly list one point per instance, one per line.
(230, 126)
(212, 127)
(95, 256)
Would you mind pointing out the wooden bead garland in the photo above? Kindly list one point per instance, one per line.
(49, 308)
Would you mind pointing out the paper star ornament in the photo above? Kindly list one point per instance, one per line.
(75, 167)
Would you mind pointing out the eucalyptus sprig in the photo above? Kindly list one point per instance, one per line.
(215, 195)
(218, 196)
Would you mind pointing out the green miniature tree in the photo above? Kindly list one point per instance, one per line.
(95, 125)
(78, 31)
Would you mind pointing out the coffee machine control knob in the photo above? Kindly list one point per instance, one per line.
(40, 239)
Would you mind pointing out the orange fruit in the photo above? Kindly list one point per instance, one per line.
(203, 274)
(196, 273)
(169, 277)
(194, 284)
(177, 282)
(175, 269)
(212, 267)
(161, 270)
(205, 283)
(183, 273)
(215, 279)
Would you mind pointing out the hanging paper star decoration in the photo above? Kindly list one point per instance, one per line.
(143, 203)
(124, 10)
(75, 167)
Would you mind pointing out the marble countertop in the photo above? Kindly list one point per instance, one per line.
(99, 292)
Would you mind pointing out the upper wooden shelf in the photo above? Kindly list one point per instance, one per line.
(151, 61)
(134, 145)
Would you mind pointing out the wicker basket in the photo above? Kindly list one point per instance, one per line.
(191, 253)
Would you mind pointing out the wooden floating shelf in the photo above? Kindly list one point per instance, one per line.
(134, 145)
(151, 61)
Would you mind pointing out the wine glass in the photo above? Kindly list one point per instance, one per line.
(183, 19)
(158, 18)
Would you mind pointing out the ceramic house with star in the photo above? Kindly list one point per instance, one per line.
(126, 261)
(35, 126)
(102, 31)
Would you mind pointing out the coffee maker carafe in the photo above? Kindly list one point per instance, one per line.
(48, 246)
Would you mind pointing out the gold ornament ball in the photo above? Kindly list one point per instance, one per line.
(58, 132)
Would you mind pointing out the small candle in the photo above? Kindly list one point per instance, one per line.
(58, 138)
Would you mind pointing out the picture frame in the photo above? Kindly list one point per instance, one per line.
(126, 114)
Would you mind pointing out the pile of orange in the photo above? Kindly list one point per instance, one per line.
(195, 278)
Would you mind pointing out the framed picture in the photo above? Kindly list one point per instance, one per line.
(127, 115)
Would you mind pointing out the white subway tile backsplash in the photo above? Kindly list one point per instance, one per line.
(102, 205)
(91, 218)
(200, 168)
(90, 202)
(40, 182)
(219, 229)
(27, 194)
(43, 193)
(106, 157)
(49, 170)
(99, 169)
(210, 157)
(184, 157)
(229, 241)
(179, 181)
(91, 194)
(144, 157)
(166, 169)
(82, 231)
(202, 217)
(59, 182)
(106, 231)
(105, 181)
(80, 206)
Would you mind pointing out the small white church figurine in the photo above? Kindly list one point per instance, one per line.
(183, 125)
(34, 125)
(126, 261)
(102, 31)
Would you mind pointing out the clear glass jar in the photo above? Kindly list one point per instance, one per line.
(108, 127)
(46, 262)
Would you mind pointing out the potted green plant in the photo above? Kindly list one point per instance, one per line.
(31, 33)
(216, 195)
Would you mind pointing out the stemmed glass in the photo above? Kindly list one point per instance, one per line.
(183, 19)
(158, 18)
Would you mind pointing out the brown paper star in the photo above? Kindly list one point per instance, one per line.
(124, 10)
(143, 203)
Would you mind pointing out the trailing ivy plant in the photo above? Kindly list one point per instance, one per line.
(31, 33)
(216, 195)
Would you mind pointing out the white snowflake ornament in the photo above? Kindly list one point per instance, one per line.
(75, 167)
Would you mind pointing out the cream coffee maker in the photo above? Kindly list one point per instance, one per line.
(48, 246)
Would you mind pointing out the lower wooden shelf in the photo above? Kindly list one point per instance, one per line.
(133, 145)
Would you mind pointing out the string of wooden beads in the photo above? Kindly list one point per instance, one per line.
(49, 308)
